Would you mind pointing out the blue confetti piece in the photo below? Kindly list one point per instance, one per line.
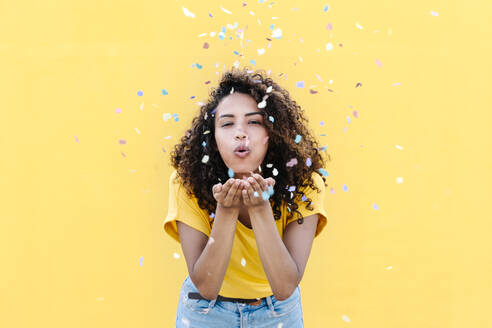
(221, 37)
(164, 92)
(298, 138)
(323, 172)
(323, 148)
(261, 1)
(345, 188)
(192, 97)
(236, 53)
(326, 8)
(271, 119)
(323, 134)
(300, 84)
(271, 26)
(375, 206)
(199, 66)
(265, 195)
(308, 162)
(230, 38)
(256, 194)
(204, 144)
(223, 29)
(252, 62)
(292, 188)
(140, 93)
(210, 15)
(140, 261)
(231, 173)
(348, 119)
(213, 112)
(322, 123)
(270, 190)
(176, 119)
(304, 198)
(212, 215)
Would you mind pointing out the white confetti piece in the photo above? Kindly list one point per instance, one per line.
(269, 89)
(176, 255)
(188, 13)
(243, 261)
(399, 147)
(275, 172)
(225, 10)
(358, 25)
(166, 116)
(203, 34)
(433, 13)
(345, 318)
(261, 51)
(329, 46)
(251, 13)
(205, 159)
(262, 104)
(399, 179)
(389, 268)
(141, 106)
(137, 130)
(277, 33)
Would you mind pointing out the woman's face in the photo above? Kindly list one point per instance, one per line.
(238, 122)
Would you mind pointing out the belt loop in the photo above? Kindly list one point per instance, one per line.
(270, 303)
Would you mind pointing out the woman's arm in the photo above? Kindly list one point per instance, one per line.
(209, 269)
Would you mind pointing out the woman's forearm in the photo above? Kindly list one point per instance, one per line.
(210, 268)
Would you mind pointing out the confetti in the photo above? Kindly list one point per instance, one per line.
(262, 104)
(265, 195)
(76, 139)
(275, 172)
(176, 255)
(166, 116)
(358, 25)
(118, 110)
(243, 261)
(300, 84)
(164, 92)
(225, 10)
(230, 172)
(270, 118)
(323, 172)
(399, 179)
(355, 113)
(298, 138)
(137, 130)
(291, 162)
(261, 51)
(345, 188)
(399, 147)
(277, 33)
(140, 93)
(358, 84)
(256, 194)
(345, 318)
(325, 9)
(205, 159)
(140, 261)
(188, 13)
(122, 141)
(379, 63)
(375, 206)
(433, 13)
(308, 162)
(329, 26)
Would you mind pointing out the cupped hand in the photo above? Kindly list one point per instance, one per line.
(257, 190)
(228, 195)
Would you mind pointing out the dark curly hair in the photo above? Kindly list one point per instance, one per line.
(283, 119)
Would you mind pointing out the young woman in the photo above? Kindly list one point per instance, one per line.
(245, 203)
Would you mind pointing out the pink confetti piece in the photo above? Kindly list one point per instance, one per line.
(379, 63)
(205, 45)
(76, 139)
(329, 27)
(118, 110)
(291, 162)
(356, 114)
(122, 141)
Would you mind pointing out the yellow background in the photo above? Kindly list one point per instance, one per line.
(81, 215)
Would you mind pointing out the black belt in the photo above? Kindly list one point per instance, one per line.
(197, 296)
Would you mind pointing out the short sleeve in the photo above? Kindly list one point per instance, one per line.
(317, 203)
(185, 209)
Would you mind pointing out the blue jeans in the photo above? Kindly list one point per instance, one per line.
(198, 313)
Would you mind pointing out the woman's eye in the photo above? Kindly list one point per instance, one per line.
(249, 121)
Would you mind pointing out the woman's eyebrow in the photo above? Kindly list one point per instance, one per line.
(247, 114)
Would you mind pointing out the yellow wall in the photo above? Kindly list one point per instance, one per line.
(78, 210)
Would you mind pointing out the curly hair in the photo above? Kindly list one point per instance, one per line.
(285, 121)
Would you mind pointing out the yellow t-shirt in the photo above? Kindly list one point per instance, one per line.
(248, 281)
